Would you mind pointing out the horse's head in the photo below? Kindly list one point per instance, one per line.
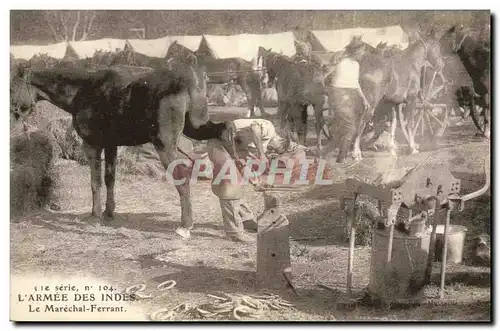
(23, 96)
(268, 59)
(40, 61)
(356, 48)
(198, 78)
(451, 41)
(432, 48)
(381, 48)
(178, 51)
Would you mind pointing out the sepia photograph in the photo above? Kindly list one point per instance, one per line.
(250, 165)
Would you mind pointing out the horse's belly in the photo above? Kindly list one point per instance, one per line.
(128, 132)
(131, 134)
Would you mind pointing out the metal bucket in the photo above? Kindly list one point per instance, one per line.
(456, 240)
(403, 277)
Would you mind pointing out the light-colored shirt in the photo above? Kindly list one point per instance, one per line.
(264, 127)
(346, 74)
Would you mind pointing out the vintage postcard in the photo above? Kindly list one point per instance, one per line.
(260, 165)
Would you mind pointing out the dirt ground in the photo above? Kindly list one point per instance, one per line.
(139, 245)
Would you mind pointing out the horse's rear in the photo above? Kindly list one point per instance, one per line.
(300, 85)
(221, 71)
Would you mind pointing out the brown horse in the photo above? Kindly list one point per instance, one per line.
(223, 71)
(298, 85)
(114, 107)
(102, 59)
(473, 49)
(395, 80)
(132, 58)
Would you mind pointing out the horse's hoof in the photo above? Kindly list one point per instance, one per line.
(108, 215)
(357, 157)
(91, 219)
(183, 232)
(414, 151)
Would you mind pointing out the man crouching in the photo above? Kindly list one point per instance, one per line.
(243, 140)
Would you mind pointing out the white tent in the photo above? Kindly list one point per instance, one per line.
(25, 52)
(56, 51)
(245, 46)
(393, 35)
(87, 48)
(191, 42)
(337, 40)
(150, 47)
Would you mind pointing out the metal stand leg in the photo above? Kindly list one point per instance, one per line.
(391, 220)
(432, 245)
(389, 246)
(445, 252)
(352, 240)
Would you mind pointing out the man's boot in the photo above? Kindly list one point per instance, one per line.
(233, 225)
(241, 237)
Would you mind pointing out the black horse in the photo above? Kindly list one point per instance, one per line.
(116, 107)
(474, 53)
(298, 85)
(226, 71)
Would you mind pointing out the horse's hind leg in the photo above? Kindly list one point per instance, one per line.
(300, 119)
(94, 156)
(410, 123)
(356, 153)
(170, 126)
(109, 180)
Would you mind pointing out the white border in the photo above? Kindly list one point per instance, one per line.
(205, 4)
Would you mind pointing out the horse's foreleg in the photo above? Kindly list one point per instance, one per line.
(94, 156)
(364, 118)
(283, 109)
(394, 123)
(170, 126)
(487, 119)
(320, 126)
(248, 93)
(356, 153)
(109, 180)
(303, 125)
(299, 115)
(410, 114)
(259, 103)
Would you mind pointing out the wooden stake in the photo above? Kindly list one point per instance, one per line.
(273, 247)
(352, 240)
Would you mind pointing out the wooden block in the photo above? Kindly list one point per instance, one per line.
(273, 247)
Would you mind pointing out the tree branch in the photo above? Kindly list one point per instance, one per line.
(75, 26)
(65, 27)
(57, 36)
(88, 27)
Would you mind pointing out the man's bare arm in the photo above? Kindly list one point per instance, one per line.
(257, 139)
